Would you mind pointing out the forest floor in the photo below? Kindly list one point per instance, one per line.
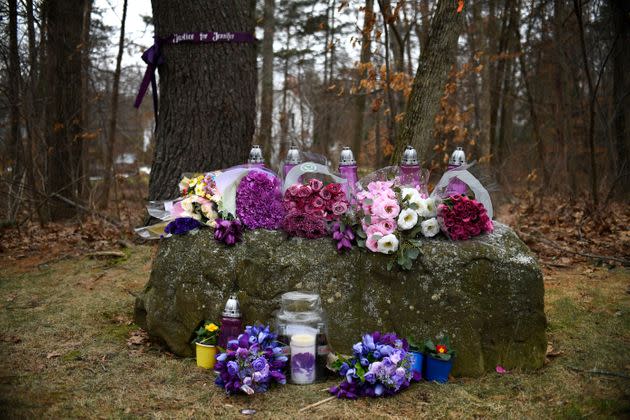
(70, 349)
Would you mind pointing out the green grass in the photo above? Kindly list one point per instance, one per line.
(64, 331)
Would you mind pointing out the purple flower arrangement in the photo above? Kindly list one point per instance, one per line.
(309, 207)
(259, 201)
(251, 363)
(380, 366)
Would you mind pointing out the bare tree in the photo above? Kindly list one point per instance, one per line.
(111, 137)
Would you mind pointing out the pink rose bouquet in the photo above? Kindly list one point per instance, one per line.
(463, 218)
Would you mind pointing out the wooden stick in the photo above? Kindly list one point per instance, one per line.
(539, 236)
(85, 209)
(600, 372)
(308, 407)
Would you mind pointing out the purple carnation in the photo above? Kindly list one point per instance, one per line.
(182, 225)
(259, 201)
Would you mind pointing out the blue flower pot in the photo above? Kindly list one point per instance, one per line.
(437, 369)
(417, 358)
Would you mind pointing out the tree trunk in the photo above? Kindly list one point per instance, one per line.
(428, 85)
(16, 154)
(360, 99)
(207, 92)
(284, 114)
(85, 90)
(111, 137)
(266, 98)
(64, 20)
(592, 98)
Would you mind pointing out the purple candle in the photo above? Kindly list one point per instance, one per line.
(455, 186)
(293, 159)
(231, 322)
(410, 169)
(348, 170)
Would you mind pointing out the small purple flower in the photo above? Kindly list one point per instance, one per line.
(228, 231)
(182, 225)
(259, 364)
(242, 353)
(344, 238)
(232, 368)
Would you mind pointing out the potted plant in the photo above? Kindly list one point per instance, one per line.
(439, 360)
(416, 351)
(206, 344)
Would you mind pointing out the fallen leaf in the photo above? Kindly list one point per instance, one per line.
(53, 354)
(137, 338)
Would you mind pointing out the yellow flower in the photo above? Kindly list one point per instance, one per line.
(199, 190)
(211, 327)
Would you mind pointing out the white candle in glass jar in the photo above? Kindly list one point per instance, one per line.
(303, 359)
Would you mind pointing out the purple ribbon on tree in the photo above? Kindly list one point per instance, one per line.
(153, 56)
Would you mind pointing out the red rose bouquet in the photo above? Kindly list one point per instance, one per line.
(463, 218)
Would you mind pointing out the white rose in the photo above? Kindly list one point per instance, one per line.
(427, 208)
(387, 244)
(430, 227)
(407, 219)
(187, 204)
(410, 194)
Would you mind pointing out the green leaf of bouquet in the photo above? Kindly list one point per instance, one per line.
(390, 264)
(368, 219)
(412, 253)
(368, 202)
(413, 206)
(360, 371)
(361, 243)
(361, 234)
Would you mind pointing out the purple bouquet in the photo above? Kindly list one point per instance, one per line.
(380, 366)
(251, 363)
(259, 201)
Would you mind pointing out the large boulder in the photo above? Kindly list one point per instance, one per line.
(486, 293)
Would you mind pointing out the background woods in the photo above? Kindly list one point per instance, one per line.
(537, 92)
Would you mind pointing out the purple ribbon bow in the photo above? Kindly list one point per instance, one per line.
(154, 58)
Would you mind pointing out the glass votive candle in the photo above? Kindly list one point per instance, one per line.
(303, 359)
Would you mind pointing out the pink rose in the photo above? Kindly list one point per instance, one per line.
(386, 208)
(317, 202)
(387, 226)
(339, 208)
(376, 229)
(304, 191)
(315, 184)
(325, 194)
(293, 189)
(372, 243)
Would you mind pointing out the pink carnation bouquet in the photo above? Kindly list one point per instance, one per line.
(310, 207)
(463, 218)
